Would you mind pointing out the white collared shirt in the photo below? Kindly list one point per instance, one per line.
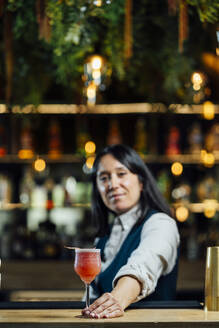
(156, 254)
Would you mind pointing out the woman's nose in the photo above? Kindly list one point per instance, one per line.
(113, 182)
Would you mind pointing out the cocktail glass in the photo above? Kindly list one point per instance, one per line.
(87, 265)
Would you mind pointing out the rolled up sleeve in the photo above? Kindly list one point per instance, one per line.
(156, 254)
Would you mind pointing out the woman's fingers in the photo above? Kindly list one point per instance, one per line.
(104, 307)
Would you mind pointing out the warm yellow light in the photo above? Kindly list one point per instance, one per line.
(98, 3)
(54, 154)
(197, 78)
(96, 74)
(176, 168)
(208, 110)
(90, 161)
(208, 159)
(96, 62)
(90, 147)
(182, 213)
(91, 91)
(25, 154)
(210, 207)
(39, 165)
(196, 86)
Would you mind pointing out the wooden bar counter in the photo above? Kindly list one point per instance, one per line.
(134, 317)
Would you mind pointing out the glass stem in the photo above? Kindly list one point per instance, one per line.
(87, 295)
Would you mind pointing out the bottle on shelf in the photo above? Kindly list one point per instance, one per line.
(48, 242)
(141, 136)
(26, 147)
(27, 185)
(212, 139)
(82, 136)
(5, 189)
(173, 139)
(114, 134)
(58, 194)
(54, 144)
(164, 184)
(195, 139)
(3, 139)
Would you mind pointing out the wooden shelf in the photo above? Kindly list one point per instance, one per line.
(106, 109)
(73, 158)
(193, 207)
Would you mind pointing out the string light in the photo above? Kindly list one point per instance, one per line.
(96, 62)
(91, 94)
(197, 78)
(94, 72)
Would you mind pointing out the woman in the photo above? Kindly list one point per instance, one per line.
(139, 249)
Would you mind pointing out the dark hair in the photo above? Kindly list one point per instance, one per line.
(151, 196)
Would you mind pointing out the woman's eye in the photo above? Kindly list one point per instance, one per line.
(103, 178)
(121, 174)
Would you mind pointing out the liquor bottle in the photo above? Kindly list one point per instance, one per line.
(26, 186)
(173, 139)
(195, 139)
(114, 135)
(141, 137)
(82, 136)
(55, 144)
(26, 147)
(3, 139)
(58, 194)
(212, 139)
(164, 184)
(48, 242)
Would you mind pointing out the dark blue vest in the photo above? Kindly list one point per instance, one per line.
(166, 286)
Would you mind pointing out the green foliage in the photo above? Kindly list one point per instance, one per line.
(208, 10)
(157, 72)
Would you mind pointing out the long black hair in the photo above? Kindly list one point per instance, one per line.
(151, 196)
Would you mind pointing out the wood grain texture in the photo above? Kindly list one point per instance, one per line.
(186, 318)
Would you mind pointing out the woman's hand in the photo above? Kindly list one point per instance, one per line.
(111, 305)
(106, 306)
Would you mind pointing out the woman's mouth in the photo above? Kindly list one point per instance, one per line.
(116, 196)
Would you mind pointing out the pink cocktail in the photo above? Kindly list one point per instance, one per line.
(87, 265)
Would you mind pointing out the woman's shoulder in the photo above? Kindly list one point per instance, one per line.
(159, 218)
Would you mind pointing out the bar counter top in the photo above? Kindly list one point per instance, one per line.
(133, 317)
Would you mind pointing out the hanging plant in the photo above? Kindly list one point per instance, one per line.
(53, 38)
(208, 10)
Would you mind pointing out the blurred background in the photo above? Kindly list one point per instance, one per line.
(76, 76)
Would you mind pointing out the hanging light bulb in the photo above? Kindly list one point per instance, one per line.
(182, 213)
(90, 161)
(208, 159)
(96, 62)
(177, 168)
(98, 3)
(210, 207)
(91, 94)
(39, 165)
(90, 147)
(197, 78)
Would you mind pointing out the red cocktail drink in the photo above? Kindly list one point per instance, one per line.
(87, 266)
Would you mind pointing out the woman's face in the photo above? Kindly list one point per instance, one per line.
(119, 188)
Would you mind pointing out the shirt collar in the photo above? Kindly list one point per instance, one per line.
(128, 219)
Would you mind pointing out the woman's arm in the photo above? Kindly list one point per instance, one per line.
(113, 304)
